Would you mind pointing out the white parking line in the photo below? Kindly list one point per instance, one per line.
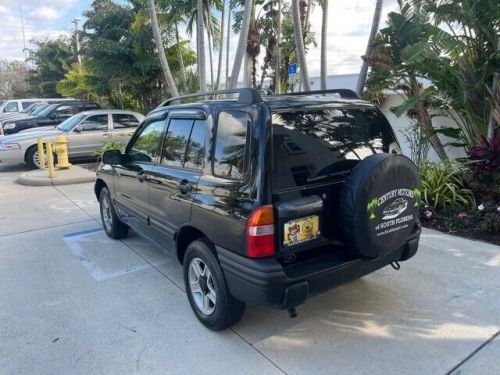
(73, 242)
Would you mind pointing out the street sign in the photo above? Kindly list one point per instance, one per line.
(292, 69)
(292, 79)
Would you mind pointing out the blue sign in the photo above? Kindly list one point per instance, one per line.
(292, 69)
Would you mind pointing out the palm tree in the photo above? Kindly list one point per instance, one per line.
(181, 59)
(161, 52)
(369, 48)
(299, 45)
(277, 79)
(200, 38)
(228, 43)
(221, 49)
(324, 34)
(242, 43)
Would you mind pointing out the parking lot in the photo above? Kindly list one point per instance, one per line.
(73, 301)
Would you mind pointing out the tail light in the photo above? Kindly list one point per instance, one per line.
(260, 232)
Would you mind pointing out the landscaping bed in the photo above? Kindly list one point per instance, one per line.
(480, 221)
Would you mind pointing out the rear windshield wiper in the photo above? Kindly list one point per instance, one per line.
(328, 176)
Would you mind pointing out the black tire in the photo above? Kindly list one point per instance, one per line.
(227, 311)
(114, 227)
(30, 157)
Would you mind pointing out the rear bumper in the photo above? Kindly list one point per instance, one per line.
(267, 282)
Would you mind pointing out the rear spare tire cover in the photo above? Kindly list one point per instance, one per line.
(379, 204)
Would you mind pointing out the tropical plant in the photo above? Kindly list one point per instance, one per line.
(77, 83)
(52, 59)
(443, 186)
(391, 70)
(299, 45)
(455, 47)
(369, 48)
(324, 43)
(242, 43)
(160, 50)
(418, 142)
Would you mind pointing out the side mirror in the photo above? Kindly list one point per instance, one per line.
(78, 129)
(112, 157)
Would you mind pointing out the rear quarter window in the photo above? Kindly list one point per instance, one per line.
(230, 154)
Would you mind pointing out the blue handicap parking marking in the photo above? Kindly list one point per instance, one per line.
(292, 69)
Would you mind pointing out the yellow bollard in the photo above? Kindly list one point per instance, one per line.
(50, 159)
(41, 154)
(61, 149)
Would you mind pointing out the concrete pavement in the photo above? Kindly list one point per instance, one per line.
(74, 301)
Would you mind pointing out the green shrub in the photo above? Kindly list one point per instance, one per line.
(443, 186)
(112, 145)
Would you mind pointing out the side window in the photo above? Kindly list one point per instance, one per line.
(174, 147)
(97, 122)
(145, 147)
(11, 107)
(27, 104)
(63, 112)
(123, 120)
(196, 146)
(230, 144)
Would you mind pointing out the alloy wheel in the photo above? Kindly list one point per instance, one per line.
(202, 286)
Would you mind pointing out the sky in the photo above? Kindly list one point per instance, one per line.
(348, 29)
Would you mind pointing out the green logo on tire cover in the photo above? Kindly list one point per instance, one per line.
(418, 197)
(372, 205)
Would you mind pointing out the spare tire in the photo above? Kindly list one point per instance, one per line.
(379, 205)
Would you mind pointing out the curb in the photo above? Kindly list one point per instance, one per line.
(74, 175)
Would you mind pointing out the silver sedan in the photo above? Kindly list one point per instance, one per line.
(86, 133)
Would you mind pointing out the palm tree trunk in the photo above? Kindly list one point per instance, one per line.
(210, 49)
(161, 52)
(494, 103)
(181, 60)
(242, 43)
(247, 70)
(373, 33)
(277, 79)
(324, 37)
(221, 49)
(200, 38)
(299, 46)
(228, 43)
(308, 13)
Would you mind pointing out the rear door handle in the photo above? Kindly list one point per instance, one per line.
(185, 187)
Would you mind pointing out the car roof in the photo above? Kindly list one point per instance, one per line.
(106, 111)
(276, 103)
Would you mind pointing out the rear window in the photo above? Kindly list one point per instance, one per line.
(318, 145)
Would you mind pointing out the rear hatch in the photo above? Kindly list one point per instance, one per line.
(314, 150)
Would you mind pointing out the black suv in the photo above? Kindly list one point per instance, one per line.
(264, 200)
(52, 115)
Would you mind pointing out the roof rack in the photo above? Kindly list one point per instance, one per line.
(344, 93)
(246, 96)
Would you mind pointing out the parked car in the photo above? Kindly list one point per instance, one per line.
(264, 201)
(53, 115)
(86, 133)
(31, 111)
(18, 105)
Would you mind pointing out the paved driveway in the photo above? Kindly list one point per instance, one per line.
(73, 301)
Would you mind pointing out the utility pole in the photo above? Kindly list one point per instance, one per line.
(25, 51)
(77, 37)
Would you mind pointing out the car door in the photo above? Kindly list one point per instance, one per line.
(174, 179)
(124, 126)
(131, 177)
(89, 136)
